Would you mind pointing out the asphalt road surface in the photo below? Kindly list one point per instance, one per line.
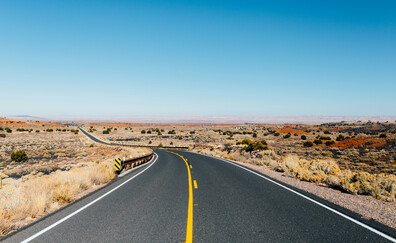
(185, 197)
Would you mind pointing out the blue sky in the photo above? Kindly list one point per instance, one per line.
(243, 58)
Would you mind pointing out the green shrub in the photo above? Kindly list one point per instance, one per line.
(148, 132)
(340, 138)
(106, 132)
(382, 135)
(2, 135)
(255, 135)
(324, 138)
(19, 156)
(91, 145)
(180, 138)
(329, 143)
(37, 131)
(303, 137)
(1, 129)
(8, 130)
(171, 143)
(276, 134)
(160, 145)
(143, 131)
(327, 132)
(192, 132)
(287, 135)
(308, 144)
(150, 142)
(159, 133)
(318, 141)
(49, 130)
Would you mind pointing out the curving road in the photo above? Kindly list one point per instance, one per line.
(182, 197)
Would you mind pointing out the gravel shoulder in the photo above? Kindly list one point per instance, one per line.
(367, 207)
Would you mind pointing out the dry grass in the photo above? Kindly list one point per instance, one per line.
(30, 198)
(326, 172)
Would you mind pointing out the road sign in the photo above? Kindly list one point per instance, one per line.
(117, 164)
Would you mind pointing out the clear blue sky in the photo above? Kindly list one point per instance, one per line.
(197, 57)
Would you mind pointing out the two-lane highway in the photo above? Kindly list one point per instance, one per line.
(182, 196)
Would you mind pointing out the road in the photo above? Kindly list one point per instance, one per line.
(183, 197)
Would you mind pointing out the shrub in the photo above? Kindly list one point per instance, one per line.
(49, 130)
(8, 130)
(318, 141)
(276, 134)
(308, 144)
(287, 135)
(143, 131)
(1, 129)
(160, 145)
(382, 135)
(251, 146)
(148, 132)
(324, 138)
(91, 145)
(106, 132)
(19, 156)
(303, 137)
(172, 132)
(295, 134)
(2, 135)
(327, 132)
(171, 143)
(340, 138)
(159, 133)
(192, 132)
(37, 131)
(150, 142)
(255, 135)
(180, 138)
(329, 143)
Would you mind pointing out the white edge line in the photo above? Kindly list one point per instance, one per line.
(86, 206)
(308, 198)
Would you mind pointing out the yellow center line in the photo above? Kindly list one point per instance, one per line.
(189, 233)
(195, 184)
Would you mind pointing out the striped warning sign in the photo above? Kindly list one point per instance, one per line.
(117, 164)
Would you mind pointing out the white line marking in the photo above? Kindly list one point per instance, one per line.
(308, 198)
(86, 206)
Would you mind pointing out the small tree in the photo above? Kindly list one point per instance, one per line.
(143, 131)
(19, 156)
(308, 144)
(318, 141)
(303, 137)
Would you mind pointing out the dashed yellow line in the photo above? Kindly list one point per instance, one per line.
(189, 233)
(195, 184)
(191, 166)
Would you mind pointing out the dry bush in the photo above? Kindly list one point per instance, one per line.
(25, 200)
(325, 172)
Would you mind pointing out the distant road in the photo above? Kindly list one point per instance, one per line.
(199, 199)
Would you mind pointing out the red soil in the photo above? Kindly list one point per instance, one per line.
(291, 130)
(355, 142)
(13, 123)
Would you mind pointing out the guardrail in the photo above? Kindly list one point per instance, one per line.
(119, 164)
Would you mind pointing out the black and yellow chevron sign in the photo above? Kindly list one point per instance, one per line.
(117, 164)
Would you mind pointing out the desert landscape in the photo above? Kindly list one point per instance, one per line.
(356, 157)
